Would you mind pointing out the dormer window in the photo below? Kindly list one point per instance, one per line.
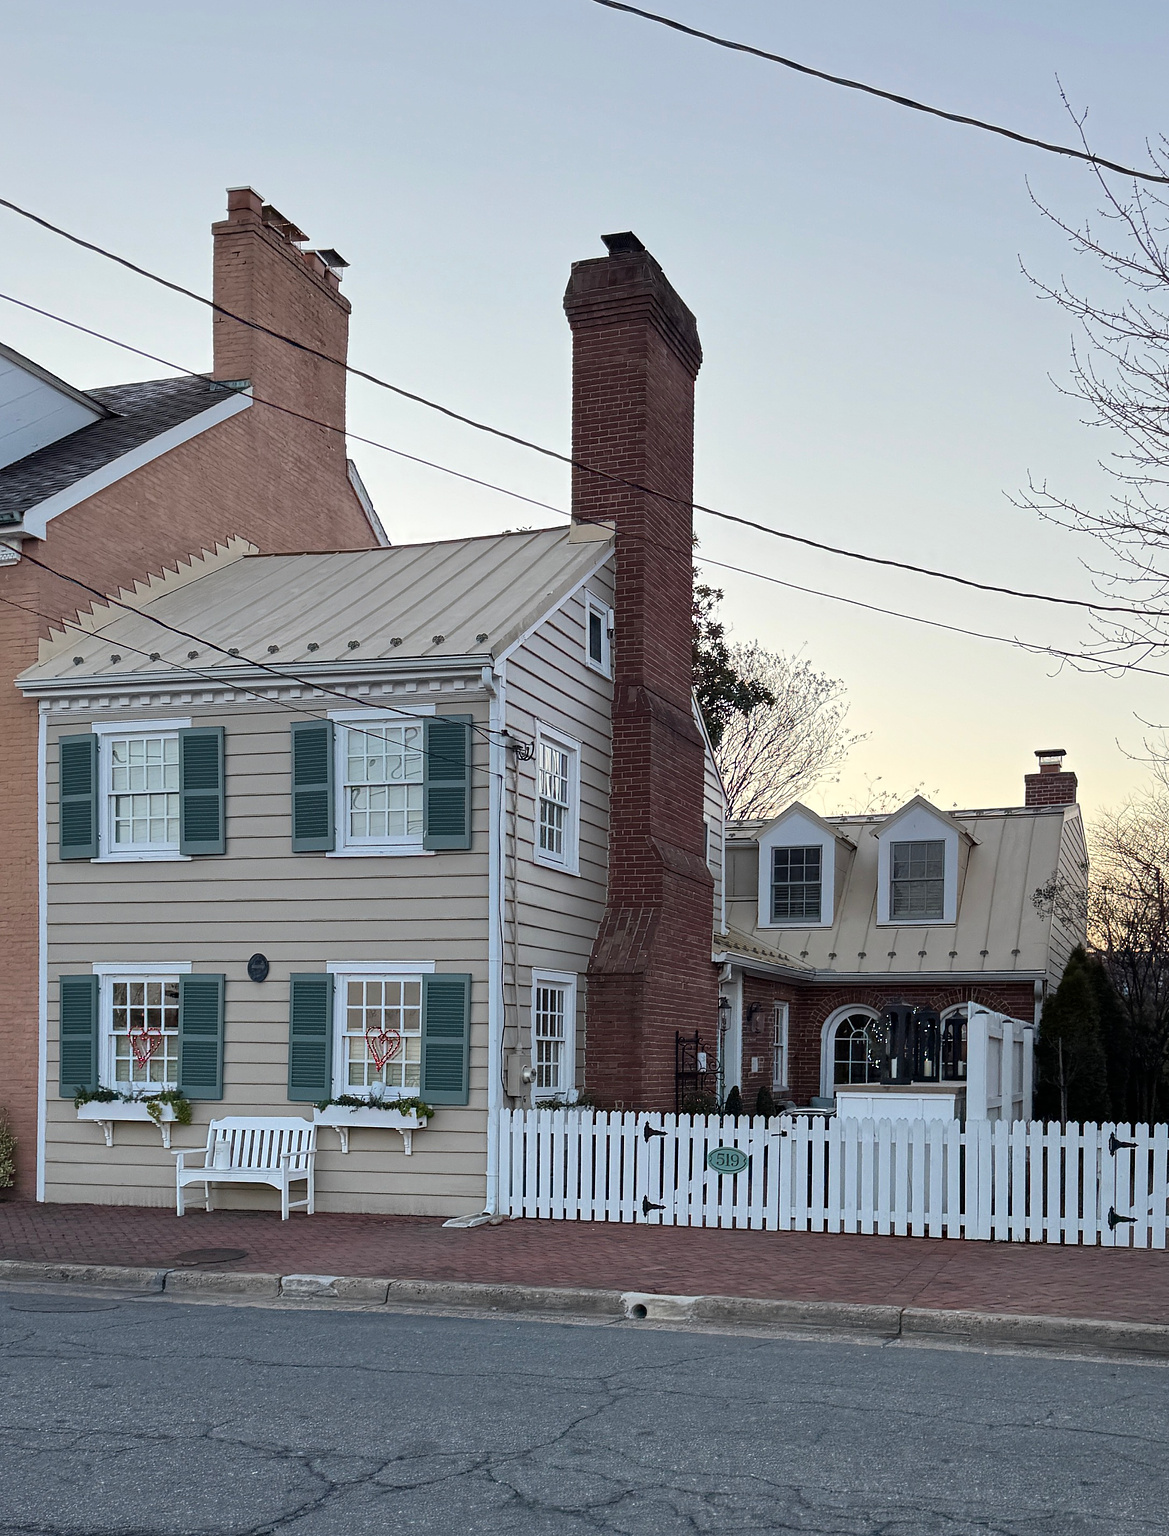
(796, 884)
(917, 889)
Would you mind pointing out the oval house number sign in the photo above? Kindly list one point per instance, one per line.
(726, 1160)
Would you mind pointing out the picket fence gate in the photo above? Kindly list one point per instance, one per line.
(1025, 1181)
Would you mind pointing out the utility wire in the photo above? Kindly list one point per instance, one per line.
(872, 90)
(1031, 647)
(694, 506)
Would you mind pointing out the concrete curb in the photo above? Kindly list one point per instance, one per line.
(924, 1325)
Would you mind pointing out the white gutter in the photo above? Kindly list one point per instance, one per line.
(42, 949)
(497, 759)
(36, 519)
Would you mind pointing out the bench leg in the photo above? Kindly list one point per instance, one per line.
(180, 1201)
(311, 1191)
(284, 1197)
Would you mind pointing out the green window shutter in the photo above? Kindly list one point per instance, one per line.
(312, 787)
(201, 1036)
(202, 823)
(78, 1033)
(310, 1037)
(446, 1039)
(77, 806)
(447, 795)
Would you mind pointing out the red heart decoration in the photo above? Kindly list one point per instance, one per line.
(384, 1045)
(144, 1043)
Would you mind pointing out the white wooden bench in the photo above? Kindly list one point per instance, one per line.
(260, 1149)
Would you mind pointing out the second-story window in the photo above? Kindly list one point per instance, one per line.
(383, 784)
(598, 621)
(143, 801)
(796, 884)
(917, 881)
(557, 778)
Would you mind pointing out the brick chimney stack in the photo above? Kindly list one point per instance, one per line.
(262, 274)
(636, 355)
(1051, 785)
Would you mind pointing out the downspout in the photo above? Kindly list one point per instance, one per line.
(495, 683)
(42, 948)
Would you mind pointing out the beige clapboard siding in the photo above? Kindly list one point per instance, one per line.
(549, 682)
(302, 911)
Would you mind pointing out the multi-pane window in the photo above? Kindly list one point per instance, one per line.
(381, 1033)
(796, 884)
(917, 880)
(555, 790)
(856, 1051)
(550, 1036)
(143, 1033)
(143, 792)
(779, 1047)
(383, 783)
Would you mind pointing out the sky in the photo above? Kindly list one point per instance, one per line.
(879, 372)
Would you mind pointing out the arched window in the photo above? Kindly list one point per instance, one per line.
(856, 1056)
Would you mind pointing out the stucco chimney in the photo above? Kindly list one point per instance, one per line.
(636, 354)
(263, 274)
(1051, 785)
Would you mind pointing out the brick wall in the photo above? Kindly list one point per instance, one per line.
(263, 475)
(810, 1006)
(635, 357)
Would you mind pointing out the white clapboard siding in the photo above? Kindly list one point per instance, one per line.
(986, 1180)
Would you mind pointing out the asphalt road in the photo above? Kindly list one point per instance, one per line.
(151, 1417)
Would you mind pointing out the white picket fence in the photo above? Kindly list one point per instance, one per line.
(1021, 1182)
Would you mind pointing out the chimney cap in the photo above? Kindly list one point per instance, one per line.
(331, 258)
(1051, 754)
(624, 243)
(276, 220)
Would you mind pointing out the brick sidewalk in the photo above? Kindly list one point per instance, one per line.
(1110, 1283)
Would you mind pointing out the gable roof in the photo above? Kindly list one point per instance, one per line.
(134, 416)
(455, 599)
(797, 807)
(919, 802)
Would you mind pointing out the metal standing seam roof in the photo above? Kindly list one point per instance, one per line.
(998, 929)
(462, 597)
(140, 412)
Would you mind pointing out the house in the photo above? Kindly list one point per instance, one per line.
(432, 820)
(109, 485)
(829, 921)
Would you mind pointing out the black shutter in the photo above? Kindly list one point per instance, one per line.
(310, 1037)
(447, 796)
(446, 1039)
(77, 804)
(202, 826)
(312, 787)
(77, 1016)
(201, 1036)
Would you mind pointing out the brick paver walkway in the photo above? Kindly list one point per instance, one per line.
(1124, 1284)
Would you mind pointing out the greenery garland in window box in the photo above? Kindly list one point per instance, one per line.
(376, 1112)
(108, 1106)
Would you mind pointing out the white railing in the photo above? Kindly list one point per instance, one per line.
(1021, 1182)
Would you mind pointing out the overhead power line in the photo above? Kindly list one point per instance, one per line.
(873, 90)
(694, 506)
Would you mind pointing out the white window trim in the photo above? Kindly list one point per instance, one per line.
(828, 1044)
(404, 848)
(129, 970)
(358, 970)
(570, 864)
(593, 604)
(106, 853)
(567, 980)
(917, 826)
(795, 832)
(781, 1025)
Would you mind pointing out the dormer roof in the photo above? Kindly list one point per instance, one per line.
(809, 815)
(919, 802)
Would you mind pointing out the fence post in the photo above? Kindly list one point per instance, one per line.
(977, 1051)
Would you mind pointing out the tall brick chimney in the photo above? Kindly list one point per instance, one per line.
(262, 274)
(636, 355)
(1051, 785)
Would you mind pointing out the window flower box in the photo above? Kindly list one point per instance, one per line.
(342, 1118)
(107, 1115)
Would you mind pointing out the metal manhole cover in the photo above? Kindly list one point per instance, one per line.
(211, 1255)
(60, 1304)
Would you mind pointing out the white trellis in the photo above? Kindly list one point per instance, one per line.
(1021, 1182)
